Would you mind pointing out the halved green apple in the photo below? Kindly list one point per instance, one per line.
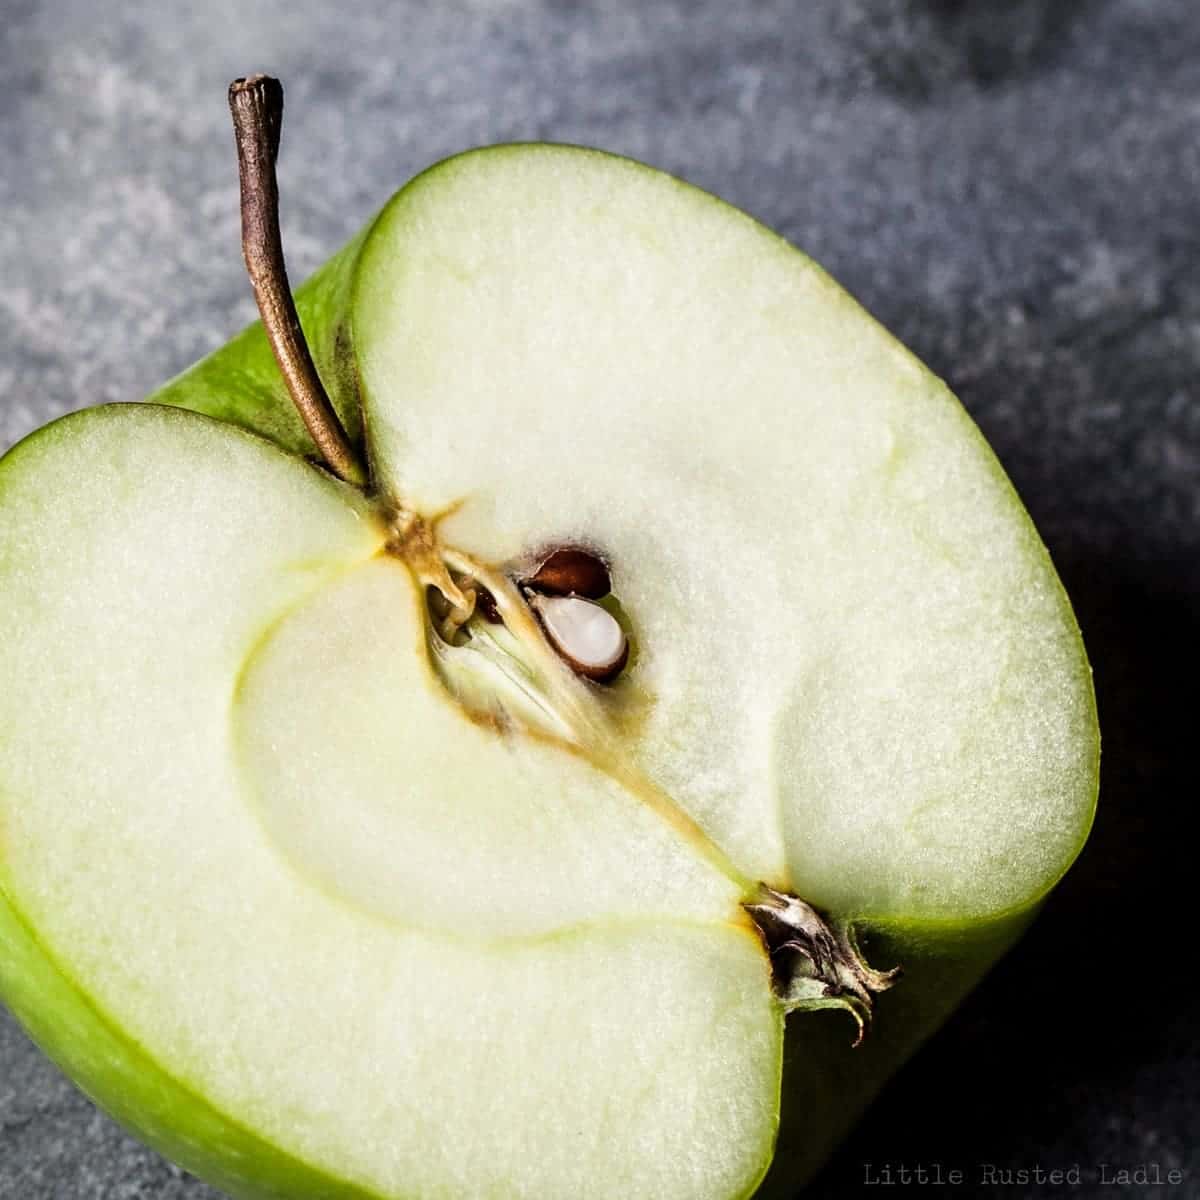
(324, 867)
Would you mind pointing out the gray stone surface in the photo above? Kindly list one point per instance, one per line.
(1012, 188)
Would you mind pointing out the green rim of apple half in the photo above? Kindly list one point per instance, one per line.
(330, 860)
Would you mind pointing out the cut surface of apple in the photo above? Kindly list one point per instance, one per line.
(319, 954)
(861, 674)
(386, 883)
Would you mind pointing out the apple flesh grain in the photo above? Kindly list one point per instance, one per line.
(327, 897)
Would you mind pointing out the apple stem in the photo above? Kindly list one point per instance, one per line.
(256, 104)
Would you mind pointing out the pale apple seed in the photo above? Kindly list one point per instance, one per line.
(585, 635)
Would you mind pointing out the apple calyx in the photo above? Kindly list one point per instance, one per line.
(815, 964)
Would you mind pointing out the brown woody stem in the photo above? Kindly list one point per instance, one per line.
(256, 104)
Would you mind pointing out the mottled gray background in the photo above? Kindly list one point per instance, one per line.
(1013, 187)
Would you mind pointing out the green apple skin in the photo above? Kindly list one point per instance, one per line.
(826, 1085)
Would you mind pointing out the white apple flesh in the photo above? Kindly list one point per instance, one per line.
(860, 673)
(429, 915)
